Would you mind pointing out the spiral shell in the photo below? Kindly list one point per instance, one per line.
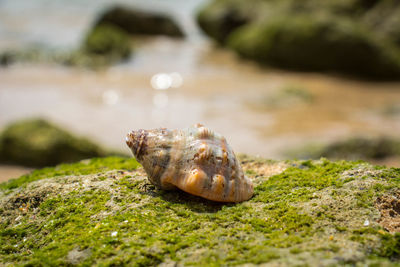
(196, 160)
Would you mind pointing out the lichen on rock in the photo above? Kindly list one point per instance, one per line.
(105, 212)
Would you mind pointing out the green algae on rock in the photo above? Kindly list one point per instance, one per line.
(303, 213)
(350, 36)
(37, 143)
(306, 43)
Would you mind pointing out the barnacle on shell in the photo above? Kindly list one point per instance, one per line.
(196, 160)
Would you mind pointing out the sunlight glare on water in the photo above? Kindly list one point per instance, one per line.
(163, 81)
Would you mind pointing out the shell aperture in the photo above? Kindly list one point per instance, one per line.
(195, 160)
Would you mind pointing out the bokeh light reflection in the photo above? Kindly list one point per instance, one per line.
(161, 81)
(164, 81)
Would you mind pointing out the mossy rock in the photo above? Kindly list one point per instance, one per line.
(220, 18)
(105, 212)
(108, 41)
(139, 22)
(37, 143)
(348, 36)
(328, 44)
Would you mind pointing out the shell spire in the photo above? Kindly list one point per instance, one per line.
(196, 160)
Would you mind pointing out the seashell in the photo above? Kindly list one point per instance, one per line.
(196, 160)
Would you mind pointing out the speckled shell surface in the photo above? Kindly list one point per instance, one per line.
(196, 160)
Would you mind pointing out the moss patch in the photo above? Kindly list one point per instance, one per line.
(111, 215)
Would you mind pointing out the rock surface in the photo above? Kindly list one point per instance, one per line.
(105, 212)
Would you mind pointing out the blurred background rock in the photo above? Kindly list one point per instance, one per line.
(351, 36)
(279, 79)
(37, 143)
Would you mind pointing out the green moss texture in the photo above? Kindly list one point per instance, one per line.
(105, 212)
